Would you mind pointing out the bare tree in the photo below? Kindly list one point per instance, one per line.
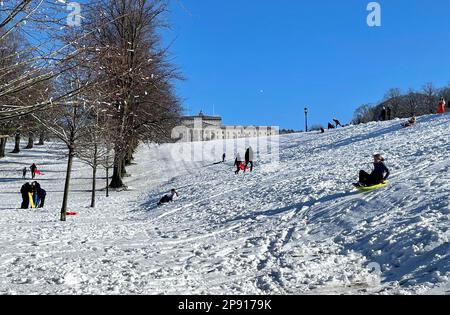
(430, 97)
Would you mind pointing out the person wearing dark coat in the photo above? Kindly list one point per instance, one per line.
(25, 190)
(24, 173)
(322, 130)
(39, 195)
(224, 157)
(33, 169)
(337, 123)
(169, 197)
(389, 113)
(249, 159)
(330, 126)
(378, 176)
(384, 114)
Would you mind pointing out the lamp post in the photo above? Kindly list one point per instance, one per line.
(306, 119)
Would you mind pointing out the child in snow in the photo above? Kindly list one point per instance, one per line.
(378, 176)
(24, 173)
(441, 107)
(169, 197)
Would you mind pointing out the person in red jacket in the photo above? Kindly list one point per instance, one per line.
(441, 107)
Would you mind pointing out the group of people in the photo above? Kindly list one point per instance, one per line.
(240, 165)
(32, 194)
(386, 112)
(336, 124)
(34, 170)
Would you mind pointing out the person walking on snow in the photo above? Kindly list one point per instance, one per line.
(249, 159)
(33, 169)
(378, 176)
(441, 107)
(169, 197)
(224, 157)
(24, 173)
(238, 163)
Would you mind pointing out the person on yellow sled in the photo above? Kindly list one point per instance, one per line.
(378, 176)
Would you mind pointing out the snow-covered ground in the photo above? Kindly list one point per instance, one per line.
(294, 228)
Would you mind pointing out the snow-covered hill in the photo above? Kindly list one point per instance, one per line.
(294, 228)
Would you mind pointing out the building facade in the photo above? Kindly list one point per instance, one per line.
(208, 128)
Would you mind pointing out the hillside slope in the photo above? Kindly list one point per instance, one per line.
(292, 228)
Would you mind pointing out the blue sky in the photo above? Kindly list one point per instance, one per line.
(262, 61)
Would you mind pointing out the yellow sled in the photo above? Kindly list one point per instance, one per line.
(372, 188)
(31, 200)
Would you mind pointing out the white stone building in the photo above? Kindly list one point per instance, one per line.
(207, 128)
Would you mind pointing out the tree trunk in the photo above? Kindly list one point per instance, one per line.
(41, 139)
(116, 180)
(67, 184)
(16, 143)
(2, 147)
(107, 181)
(30, 142)
(94, 182)
(123, 169)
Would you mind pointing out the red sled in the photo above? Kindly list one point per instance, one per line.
(71, 213)
(37, 172)
(242, 167)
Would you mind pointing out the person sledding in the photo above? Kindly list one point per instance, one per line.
(169, 197)
(410, 123)
(379, 175)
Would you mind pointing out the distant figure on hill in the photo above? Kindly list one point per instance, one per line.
(322, 130)
(383, 115)
(24, 173)
(33, 169)
(410, 122)
(378, 176)
(441, 106)
(330, 126)
(249, 159)
(169, 197)
(389, 113)
(337, 123)
(238, 163)
(25, 190)
(224, 157)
